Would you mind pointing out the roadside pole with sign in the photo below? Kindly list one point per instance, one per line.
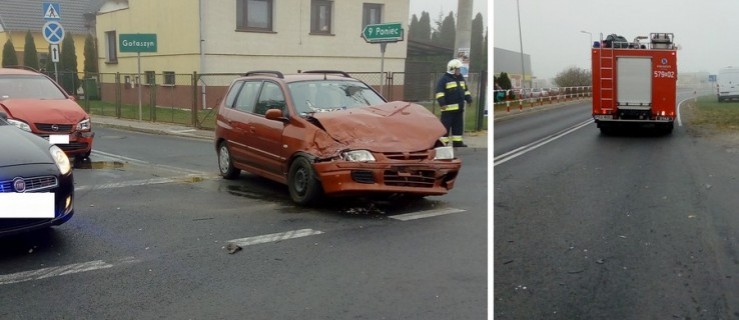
(382, 34)
(138, 42)
(53, 32)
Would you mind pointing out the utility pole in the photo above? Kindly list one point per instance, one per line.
(464, 33)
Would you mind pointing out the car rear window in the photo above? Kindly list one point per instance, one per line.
(327, 95)
(29, 87)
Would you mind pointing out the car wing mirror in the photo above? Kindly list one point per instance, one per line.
(275, 114)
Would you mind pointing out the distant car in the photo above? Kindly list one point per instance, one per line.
(37, 104)
(36, 182)
(531, 93)
(538, 93)
(325, 133)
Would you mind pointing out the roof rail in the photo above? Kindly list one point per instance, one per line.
(22, 67)
(255, 72)
(329, 72)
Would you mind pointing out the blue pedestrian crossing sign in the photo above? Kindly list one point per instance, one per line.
(52, 11)
(53, 32)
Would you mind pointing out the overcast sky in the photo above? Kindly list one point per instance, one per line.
(706, 30)
(434, 7)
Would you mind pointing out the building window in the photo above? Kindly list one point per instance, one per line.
(169, 78)
(150, 77)
(110, 39)
(320, 16)
(371, 14)
(254, 15)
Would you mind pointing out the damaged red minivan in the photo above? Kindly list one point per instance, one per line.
(325, 133)
(37, 104)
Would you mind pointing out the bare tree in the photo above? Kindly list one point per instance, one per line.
(573, 77)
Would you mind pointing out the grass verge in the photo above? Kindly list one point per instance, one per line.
(206, 118)
(708, 112)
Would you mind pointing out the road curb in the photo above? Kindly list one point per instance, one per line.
(151, 131)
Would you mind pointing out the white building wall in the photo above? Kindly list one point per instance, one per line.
(291, 47)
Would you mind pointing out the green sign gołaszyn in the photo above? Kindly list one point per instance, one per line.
(137, 42)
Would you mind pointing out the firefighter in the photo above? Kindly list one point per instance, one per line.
(451, 93)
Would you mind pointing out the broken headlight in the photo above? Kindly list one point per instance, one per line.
(357, 156)
(444, 153)
(83, 125)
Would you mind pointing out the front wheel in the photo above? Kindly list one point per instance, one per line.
(225, 165)
(303, 183)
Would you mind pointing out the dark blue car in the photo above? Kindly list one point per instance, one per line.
(36, 182)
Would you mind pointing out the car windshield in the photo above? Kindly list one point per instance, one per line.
(28, 87)
(330, 95)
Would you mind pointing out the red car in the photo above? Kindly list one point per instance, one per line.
(325, 133)
(37, 104)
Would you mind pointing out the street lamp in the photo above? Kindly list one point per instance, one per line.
(520, 40)
(590, 57)
(591, 37)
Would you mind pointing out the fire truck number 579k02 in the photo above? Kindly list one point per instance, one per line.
(634, 83)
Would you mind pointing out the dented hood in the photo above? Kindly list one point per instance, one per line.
(44, 111)
(391, 127)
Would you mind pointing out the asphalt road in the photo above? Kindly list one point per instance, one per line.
(635, 226)
(152, 220)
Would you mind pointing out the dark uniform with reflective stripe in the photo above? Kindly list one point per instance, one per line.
(451, 93)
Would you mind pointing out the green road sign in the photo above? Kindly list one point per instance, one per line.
(137, 42)
(385, 32)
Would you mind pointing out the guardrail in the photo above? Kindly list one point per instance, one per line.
(538, 96)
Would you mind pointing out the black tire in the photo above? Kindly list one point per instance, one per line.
(225, 164)
(302, 182)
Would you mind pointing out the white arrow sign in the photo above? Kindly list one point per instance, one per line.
(54, 49)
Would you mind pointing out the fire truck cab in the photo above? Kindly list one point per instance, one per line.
(635, 84)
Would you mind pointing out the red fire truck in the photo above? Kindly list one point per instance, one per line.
(634, 83)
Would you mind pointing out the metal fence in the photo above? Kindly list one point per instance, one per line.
(190, 99)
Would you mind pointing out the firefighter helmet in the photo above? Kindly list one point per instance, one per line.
(453, 64)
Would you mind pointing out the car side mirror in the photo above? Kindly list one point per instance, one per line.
(274, 114)
(71, 97)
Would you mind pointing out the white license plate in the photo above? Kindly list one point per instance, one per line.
(26, 205)
(59, 139)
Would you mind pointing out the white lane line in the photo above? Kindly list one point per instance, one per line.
(60, 271)
(679, 121)
(275, 237)
(115, 156)
(142, 162)
(529, 147)
(138, 183)
(425, 214)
